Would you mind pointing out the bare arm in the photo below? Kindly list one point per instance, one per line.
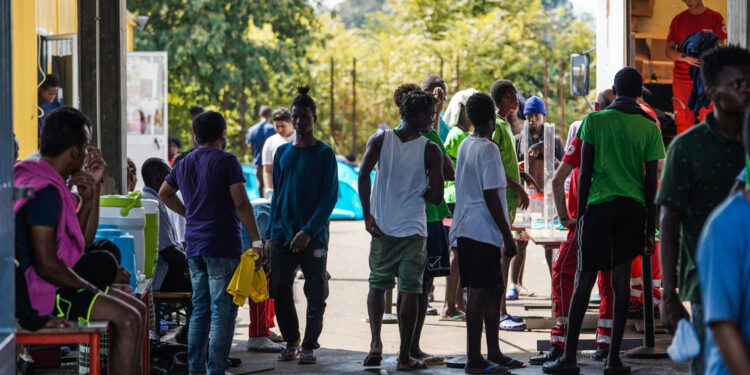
(735, 351)
(268, 178)
(434, 163)
(584, 178)
(448, 170)
(558, 192)
(168, 195)
(369, 159)
(650, 192)
(48, 265)
(515, 186)
(492, 199)
(671, 51)
(244, 210)
(673, 310)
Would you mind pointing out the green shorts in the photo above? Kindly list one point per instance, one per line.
(76, 304)
(511, 216)
(405, 257)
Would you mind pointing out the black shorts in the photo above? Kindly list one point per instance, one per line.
(438, 251)
(479, 264)
(610, 234)
(75, 304)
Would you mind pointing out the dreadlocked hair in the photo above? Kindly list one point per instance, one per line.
(304, 100)
(416, 103)
(401, 92)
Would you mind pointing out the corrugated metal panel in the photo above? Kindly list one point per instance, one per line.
(7, 285)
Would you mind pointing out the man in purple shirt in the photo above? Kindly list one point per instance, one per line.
(213, 188)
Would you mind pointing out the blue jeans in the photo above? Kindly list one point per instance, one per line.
(698, 364)
(212, 308)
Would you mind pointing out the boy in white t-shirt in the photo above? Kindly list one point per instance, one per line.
(480, 229)
(282, 123)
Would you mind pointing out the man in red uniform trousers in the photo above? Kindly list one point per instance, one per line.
(696, 18)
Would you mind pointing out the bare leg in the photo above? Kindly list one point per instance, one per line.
(621, 288)
(128, 332)
(375, 310)
(422, 303)
(453, 292)
(579, 303)
(491, 317)
(505, 263)
(518, 262)
(407, 317)
(475, 315)
(548, 250)
(136, 304)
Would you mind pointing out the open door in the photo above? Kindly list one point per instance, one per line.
(59, 56)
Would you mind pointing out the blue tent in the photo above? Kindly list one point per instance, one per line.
(347, 207)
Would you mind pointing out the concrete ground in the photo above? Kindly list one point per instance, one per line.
(346, 336)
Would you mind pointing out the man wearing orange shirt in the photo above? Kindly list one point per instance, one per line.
(696, 18)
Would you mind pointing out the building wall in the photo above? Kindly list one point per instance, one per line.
(25, 75)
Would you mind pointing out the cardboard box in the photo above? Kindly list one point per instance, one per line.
(642, 8)
(657, 50)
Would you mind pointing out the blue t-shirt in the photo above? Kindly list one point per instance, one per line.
(305, 182)
(47, 107)
(724, 269)
(256, 137)
(443, 129)
(212, 227)
(40, 210)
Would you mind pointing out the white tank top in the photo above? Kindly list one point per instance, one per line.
(397, 202)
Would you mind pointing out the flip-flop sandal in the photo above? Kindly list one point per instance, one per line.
(372, 360)
(434, 361)
(513, 364)
(455, 318)
(289, 354)
(621, 370)
(417, 366)
(307, 359)
(494, 369)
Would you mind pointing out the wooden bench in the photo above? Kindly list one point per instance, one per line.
(168, 303)
(78, 334)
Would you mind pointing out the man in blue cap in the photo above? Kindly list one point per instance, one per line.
(535, 113)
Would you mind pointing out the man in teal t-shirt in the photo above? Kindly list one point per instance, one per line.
(617, 186)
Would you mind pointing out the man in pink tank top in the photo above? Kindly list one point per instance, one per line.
(396, 218)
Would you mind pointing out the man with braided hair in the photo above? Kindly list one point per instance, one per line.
(396, 218)
(298, 228)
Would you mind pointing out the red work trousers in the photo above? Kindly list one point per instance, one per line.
(684, 117)
(636, 282)
(563, 282)
(262, 316)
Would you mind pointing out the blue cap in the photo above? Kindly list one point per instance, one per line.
(534, 105)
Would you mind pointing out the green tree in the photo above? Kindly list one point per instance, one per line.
(353, 12)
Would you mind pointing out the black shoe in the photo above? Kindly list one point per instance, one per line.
(554, 353)
(600, 354)
(234, 362)
(559, 367)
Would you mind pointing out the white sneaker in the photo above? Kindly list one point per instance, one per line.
(263, 345)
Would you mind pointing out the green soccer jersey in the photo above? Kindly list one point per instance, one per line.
(503, 137)
(622, 144)
(452, 141)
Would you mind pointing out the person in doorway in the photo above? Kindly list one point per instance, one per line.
(615, 210)
(49, 239)
(694, 183)
(298, 228)
(174, 149)
(282, 123)
(697, 17)
(480, 228)
(566, 263)
(505, 96)
(256, 138)
(172, 273)
(213, 189)
(132, 175)
(438, 254)
(410, 173)
(724, 279)
(47, 98)
(535, 113)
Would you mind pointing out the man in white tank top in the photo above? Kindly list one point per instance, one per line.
(409, 173)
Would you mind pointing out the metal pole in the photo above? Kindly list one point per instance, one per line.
(561, 84)
(648, 350)
(354, 105)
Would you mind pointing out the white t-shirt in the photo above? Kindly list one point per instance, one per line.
(479, 167)
(272, 143)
